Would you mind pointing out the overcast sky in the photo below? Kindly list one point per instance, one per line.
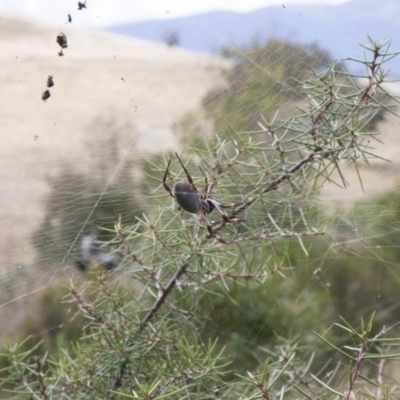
(109, 12)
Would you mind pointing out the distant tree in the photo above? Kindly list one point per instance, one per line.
(264, 77)
(171, 37)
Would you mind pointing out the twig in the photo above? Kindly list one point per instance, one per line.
(356, 369)
(40, 376)
(151, 313)
(379, 378)
(161, 299)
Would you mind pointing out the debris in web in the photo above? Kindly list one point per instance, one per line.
(50, 81)
(69, 19)
(46, 95)
(62, 42)
(81, 5)
(91, 253)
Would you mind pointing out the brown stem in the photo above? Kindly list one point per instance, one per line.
(160, 301)
(151, 313)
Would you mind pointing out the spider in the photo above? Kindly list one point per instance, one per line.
(190, 199)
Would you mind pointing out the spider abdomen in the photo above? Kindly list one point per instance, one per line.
(187, 197)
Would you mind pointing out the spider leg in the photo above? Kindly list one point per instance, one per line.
(188, 177)
(166, 187)
(240, 204)
(237, 207)
(228, 218)
(207, 189)
(211, 233)
(210, 230)
(223, 215)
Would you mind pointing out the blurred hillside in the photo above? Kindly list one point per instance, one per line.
(338, 28)
(104, 83)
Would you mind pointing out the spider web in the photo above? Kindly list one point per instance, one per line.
(75, 162)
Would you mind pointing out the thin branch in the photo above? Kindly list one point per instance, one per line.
(150, 315)
(161, 299)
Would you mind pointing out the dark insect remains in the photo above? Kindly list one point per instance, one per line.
(50, 81)
(45, 95)
(62, 40)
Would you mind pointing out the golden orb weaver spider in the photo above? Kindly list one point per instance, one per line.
(190, 199)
